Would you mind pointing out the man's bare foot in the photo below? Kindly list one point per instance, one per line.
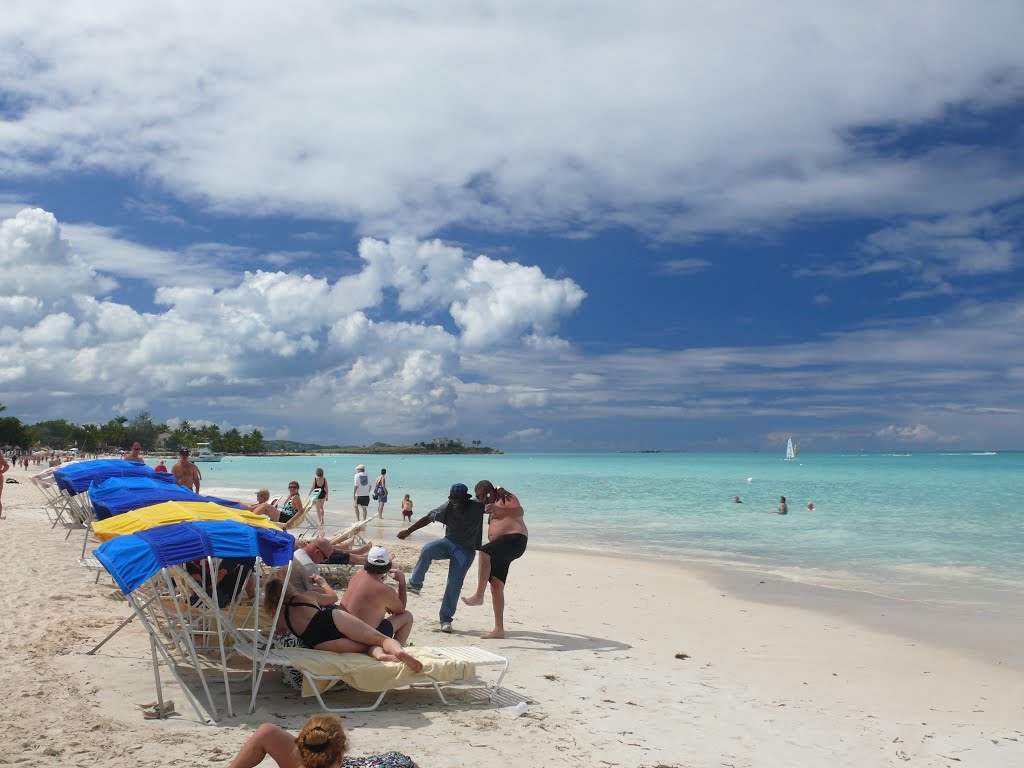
(473, 600)
(388, 657)
(496, 634)
(361, 550)
(410, 661)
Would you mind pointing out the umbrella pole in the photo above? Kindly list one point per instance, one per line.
(156, 675)
(220, 636)
(257, 679)
(189, 647)
(120, 626)
(155, 646)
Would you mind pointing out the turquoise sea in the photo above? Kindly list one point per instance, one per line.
(929, 525)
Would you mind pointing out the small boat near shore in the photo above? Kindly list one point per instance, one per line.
(203, 452)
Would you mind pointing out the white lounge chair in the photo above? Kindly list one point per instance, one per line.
(321, 670)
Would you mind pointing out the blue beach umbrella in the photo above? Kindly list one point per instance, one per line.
(76, 478)
(118, 495)
(134, 559)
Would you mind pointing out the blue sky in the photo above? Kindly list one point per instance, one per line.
(600, 226)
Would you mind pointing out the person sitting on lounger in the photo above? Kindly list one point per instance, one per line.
(310, 555)
(378, 604)
(320, 744)
(263, 506)
(321, 624)
(293, 505)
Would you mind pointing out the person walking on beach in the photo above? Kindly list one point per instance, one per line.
(783, 507)
(507, 537)
(185, 472)
(407, 509)
(4, 466)
(135, 454)
(463, 520)
(320, 482)
(380, 492)
(361, 491)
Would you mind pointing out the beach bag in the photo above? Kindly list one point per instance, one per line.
(376, 492)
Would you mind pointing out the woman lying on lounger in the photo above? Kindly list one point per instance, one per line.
(318, 621)
(320, 744)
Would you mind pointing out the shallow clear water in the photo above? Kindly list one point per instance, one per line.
(918, 522)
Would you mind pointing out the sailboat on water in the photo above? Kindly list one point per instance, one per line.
(790, 450)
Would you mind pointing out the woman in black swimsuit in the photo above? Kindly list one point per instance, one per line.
(319, 483)
(318, 621)
(293, 506)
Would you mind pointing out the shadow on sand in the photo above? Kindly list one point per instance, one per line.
(554, 641)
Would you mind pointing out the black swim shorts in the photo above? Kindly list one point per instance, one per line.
(503, 550)
(363, 501)
(386, 628)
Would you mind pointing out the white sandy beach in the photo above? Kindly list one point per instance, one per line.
(779, 681)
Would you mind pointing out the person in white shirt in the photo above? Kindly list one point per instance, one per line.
(361, 491)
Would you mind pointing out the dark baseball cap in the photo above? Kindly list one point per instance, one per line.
(459, 489)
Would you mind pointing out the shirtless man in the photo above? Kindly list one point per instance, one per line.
(507, 536)
(135, 454)
(186, 473)
(380, 605)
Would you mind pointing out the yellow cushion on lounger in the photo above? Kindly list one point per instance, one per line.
(367, 674)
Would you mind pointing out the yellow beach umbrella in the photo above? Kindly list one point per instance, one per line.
(169, 512)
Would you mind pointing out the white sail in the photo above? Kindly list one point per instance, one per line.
(790, 452)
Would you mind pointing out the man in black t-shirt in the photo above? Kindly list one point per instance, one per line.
(463, 519)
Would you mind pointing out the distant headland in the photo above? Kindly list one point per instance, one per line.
(441, 445)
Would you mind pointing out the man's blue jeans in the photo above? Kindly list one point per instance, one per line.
(459, 561)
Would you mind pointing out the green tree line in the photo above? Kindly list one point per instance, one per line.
(119, 433)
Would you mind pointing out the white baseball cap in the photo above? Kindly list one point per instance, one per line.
(378, 556)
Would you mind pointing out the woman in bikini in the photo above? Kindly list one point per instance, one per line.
(318, 621)
(320, 483)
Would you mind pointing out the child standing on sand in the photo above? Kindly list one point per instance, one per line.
(406, 509)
